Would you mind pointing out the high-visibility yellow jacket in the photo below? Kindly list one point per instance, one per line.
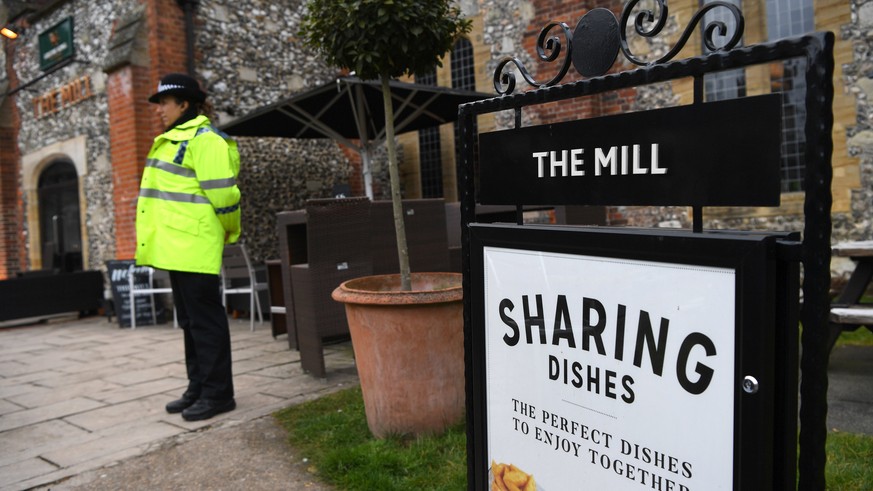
(188, 205)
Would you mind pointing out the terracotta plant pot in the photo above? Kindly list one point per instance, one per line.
(409, 350)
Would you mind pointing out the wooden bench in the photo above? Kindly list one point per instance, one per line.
(853, 314)
(847, 313)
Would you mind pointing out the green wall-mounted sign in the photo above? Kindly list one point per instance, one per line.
(56, 44)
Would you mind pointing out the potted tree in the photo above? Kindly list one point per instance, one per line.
(412, 375)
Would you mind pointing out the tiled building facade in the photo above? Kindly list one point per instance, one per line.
(79, 156)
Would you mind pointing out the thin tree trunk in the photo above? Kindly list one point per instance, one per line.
(394, 172)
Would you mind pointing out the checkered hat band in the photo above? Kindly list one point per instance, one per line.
(163, 87)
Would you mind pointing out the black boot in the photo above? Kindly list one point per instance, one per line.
(182, 404)
(207, 408)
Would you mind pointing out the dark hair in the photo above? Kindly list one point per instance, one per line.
(205, 108)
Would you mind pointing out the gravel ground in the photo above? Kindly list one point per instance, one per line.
(248, 456)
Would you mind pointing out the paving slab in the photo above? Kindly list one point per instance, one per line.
(251, 365)
(41, 396)
(139, 391)
(140, 375)
(7, 406)
(31, 441)
(110, 442)
(47, 360)
(81, 395)
(15, 368)
(125, 414)
(87, 362)
(15, 388)
(187, 463)
(29, 378)
(249, 380)
(65, 473)
(850, 389)
(25, 469)
(56, 410)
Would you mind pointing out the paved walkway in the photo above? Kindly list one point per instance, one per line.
(77, 395)
(850, 390)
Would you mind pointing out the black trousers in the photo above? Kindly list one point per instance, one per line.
(203, 319)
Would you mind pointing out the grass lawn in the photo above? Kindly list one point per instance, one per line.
(332, 433)
(859, 337)
(849, 456)
(848, 462)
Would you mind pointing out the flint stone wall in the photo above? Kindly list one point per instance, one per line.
(277, 176)
(506, 23)
(89, 117)
(857, 225)
(248, 56)
(859, 80)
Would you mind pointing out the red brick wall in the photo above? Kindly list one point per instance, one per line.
(12, 250)
(130, 135)
(166, 22)
(356, 179)
(12, 258)
(604, 104)
(548, 11)
(133, 124)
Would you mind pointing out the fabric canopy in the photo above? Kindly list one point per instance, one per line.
(350, 111)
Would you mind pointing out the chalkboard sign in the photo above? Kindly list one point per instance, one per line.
(118, 271)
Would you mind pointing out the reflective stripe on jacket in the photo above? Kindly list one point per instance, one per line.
(188, 204)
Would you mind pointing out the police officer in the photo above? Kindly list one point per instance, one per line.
(188, 208)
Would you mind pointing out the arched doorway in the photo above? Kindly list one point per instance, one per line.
(59, 225)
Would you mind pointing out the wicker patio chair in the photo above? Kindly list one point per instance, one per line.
(426, 236)
(277, 297)
(338, 247)
(453, 234)
(291, 230)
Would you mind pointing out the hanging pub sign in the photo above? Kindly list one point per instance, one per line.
(624, 360)
(56, 44)
(711, 154)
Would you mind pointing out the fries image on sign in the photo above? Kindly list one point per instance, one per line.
(508, 477)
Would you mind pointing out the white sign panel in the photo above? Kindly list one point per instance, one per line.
(608, 374)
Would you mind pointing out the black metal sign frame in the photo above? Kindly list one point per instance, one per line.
(674, 156)
(763, 316)
(817, 51)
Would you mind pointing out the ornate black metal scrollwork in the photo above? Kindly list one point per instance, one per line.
(595, 41)
(548, 49)
(647, 16)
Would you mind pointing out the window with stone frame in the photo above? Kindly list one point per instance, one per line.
(463, 77)
(789, 18)
(429, 155)
(728, 84)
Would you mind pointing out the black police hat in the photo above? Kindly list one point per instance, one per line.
(181, 85)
